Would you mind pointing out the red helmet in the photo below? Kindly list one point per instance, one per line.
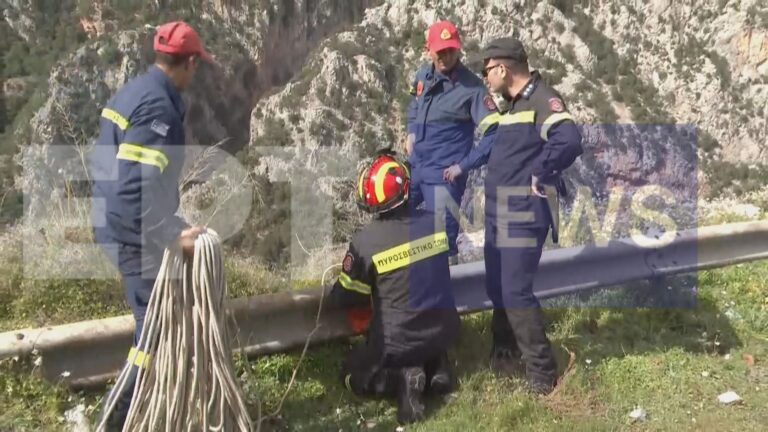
(384, 184)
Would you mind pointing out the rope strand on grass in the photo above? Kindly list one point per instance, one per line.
(279, 407)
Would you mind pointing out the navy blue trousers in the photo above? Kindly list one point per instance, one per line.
(511, 264)
(511, 261)
(138, 269)
(437, 198)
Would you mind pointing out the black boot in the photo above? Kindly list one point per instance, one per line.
(506, 361)
(385, 383)
(440, 375)
(410, 403)
(540, 387)
(119, 414)
(505, 354)
(530, 333)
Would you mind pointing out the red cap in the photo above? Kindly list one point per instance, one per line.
(179, 38)
(442, 35)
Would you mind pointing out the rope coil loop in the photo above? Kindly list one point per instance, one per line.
(189, 383)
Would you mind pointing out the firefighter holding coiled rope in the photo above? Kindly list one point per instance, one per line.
(136, 164)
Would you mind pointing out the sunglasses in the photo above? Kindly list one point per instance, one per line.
(487, 70)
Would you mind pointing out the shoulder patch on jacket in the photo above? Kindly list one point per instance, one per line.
(348, 262)
(159, 128)
(556, 105)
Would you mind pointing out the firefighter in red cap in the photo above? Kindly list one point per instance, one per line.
(136, 164)
(449, 102)
(396, 274)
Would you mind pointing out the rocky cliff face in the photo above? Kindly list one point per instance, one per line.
(714, 73)
(352, 94)
(625, 62)
(16, 14)
(329, 77)
(257, 49)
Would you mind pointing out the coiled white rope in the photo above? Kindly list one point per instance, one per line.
(189, 383)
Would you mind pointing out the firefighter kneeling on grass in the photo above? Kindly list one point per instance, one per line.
(396, 282)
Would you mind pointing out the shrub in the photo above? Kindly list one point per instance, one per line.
(616, 94)
(569, 55)
(599, 101)
(738, 178)
(110, 54)
(555, 77)
(275, 133)
(723, 69)
(706, 142)
(599, 44)
(583, 86)
(347, 48)
(564, 6)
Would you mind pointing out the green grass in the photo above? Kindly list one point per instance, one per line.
(26, 401)
(624, 357)
(43, 302)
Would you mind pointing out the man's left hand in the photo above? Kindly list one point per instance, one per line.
(452, 173)
(187, 239)
(537, 187)
(409, 144)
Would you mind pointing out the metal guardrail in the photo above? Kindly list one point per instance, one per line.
(89, 353)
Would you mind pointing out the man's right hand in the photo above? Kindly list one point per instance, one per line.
(187, 238)
(451, 173)
(537, 187)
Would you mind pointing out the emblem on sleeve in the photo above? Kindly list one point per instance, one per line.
(346, 265)
(556, 105)
(489, 103)
(419, 88)
(159, 128)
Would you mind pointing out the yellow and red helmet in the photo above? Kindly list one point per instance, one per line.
(384, 184)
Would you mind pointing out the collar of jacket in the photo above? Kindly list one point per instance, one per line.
(526, 93)
(164, 80)
(530, 86)
(434, 77)
(452, 76)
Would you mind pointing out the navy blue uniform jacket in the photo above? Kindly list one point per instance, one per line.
(536, 136)
(443, 114)
(136, 164)
(400, 264)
